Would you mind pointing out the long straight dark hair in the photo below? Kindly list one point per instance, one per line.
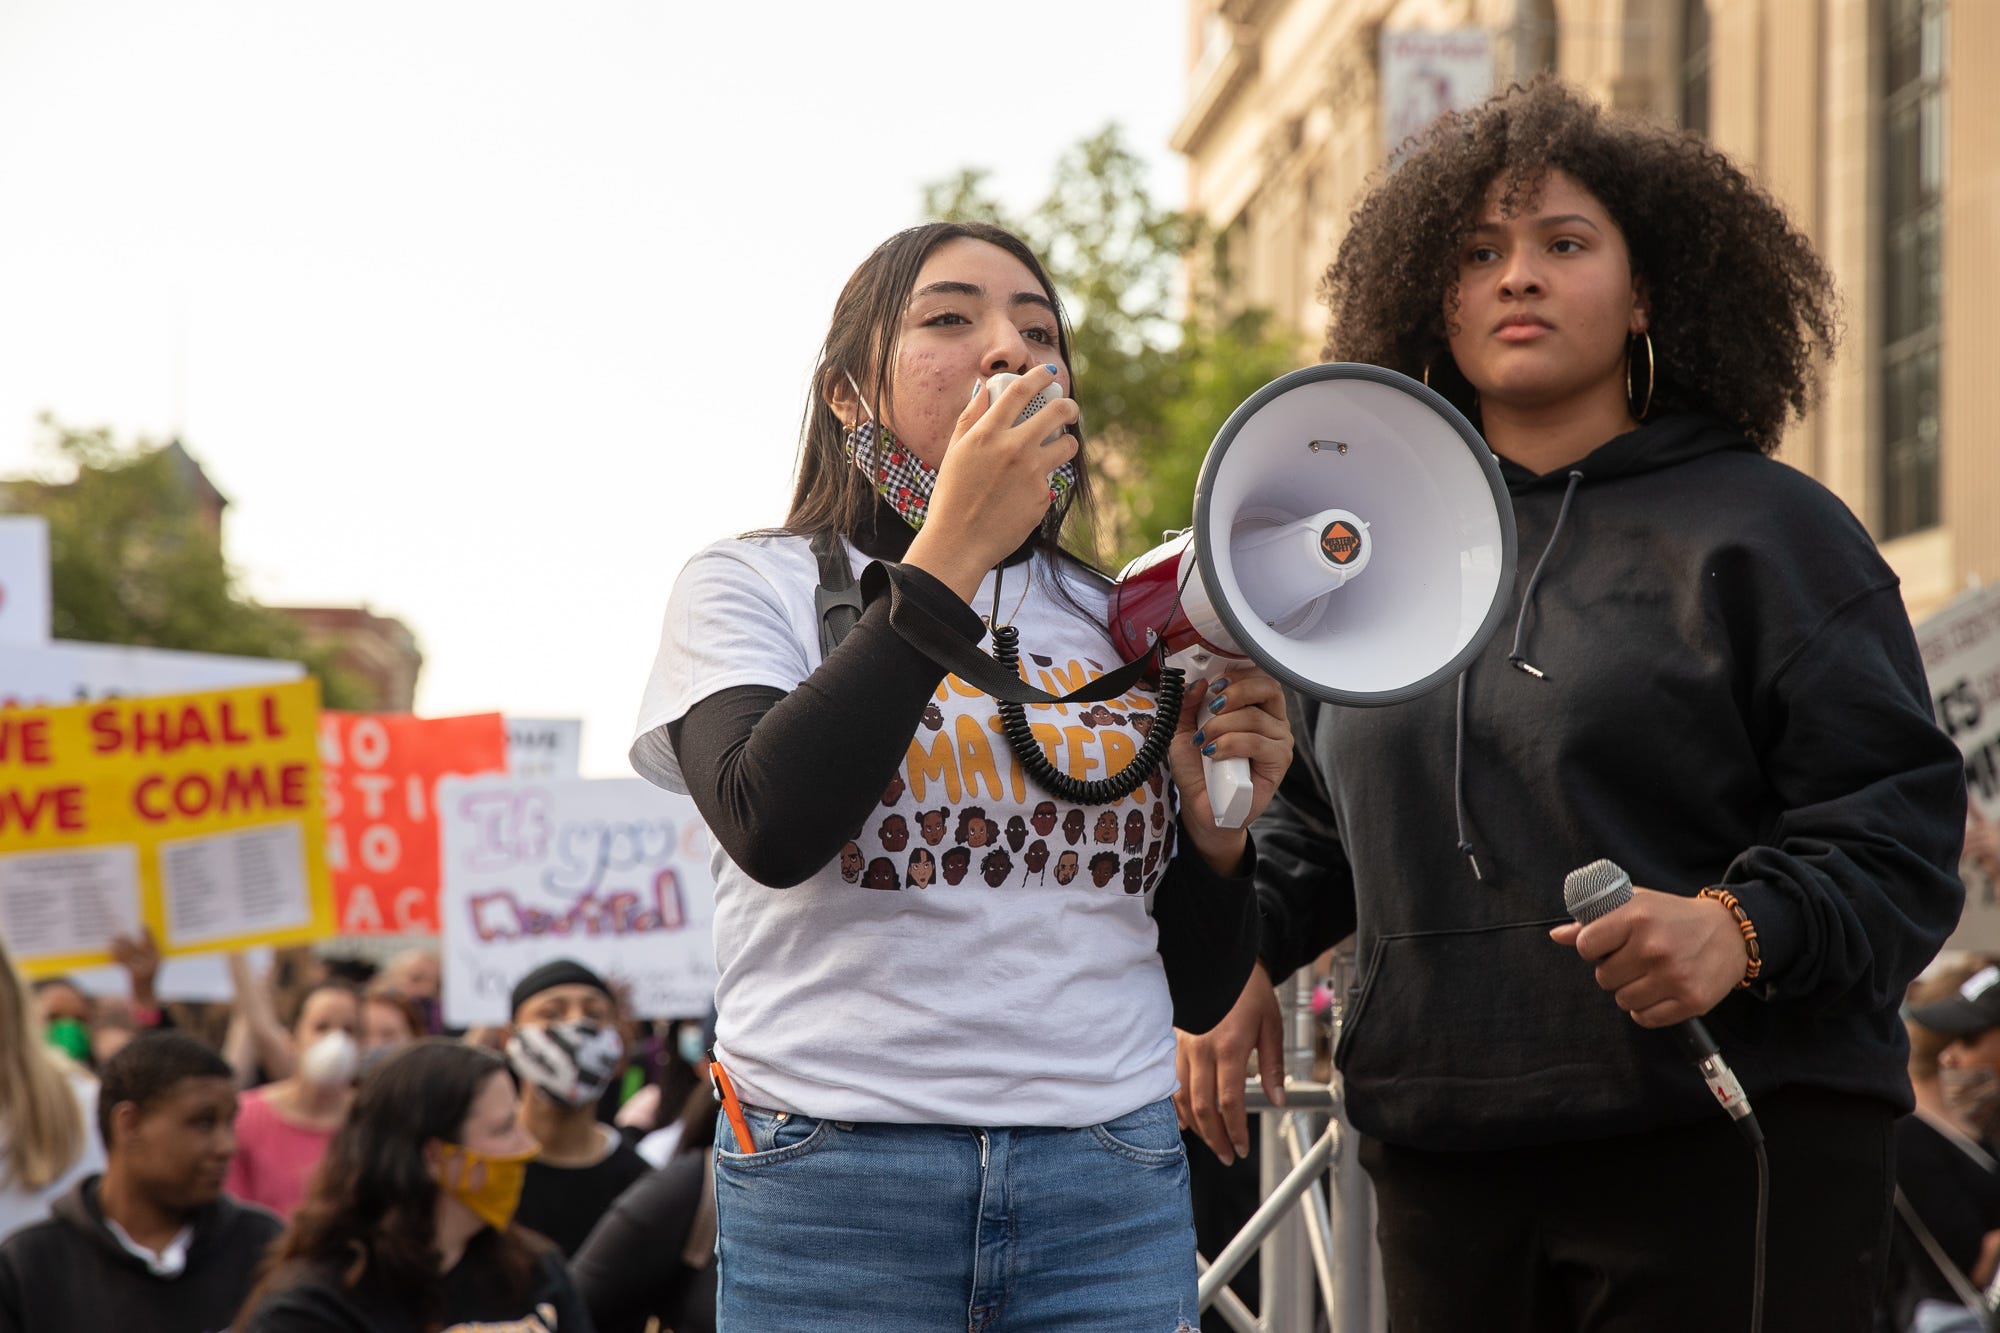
(371, 1211)
(831, 495)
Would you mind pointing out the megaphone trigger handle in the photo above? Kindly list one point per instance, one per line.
(1230, 790)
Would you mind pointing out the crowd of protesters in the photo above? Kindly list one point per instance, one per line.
(322, 1154)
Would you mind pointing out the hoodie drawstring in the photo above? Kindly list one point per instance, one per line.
(1519, 658)
(1458, 780)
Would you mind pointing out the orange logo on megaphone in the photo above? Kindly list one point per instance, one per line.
(1340, 542)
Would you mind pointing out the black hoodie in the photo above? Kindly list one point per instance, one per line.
(1731, 695)
(70, 1272)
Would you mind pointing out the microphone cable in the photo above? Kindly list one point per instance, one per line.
(1100, 791)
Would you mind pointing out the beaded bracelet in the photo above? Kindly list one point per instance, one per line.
(1743, 923)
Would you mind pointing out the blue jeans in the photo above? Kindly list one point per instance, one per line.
(874, 1228)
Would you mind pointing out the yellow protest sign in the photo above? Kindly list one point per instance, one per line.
(197, 815)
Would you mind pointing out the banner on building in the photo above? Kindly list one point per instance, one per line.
(1425, 74)
(379, 773)
(24, 579)
(1961, 652)
(611, 873)
(544, 747)
(195, 815)
(57, 673)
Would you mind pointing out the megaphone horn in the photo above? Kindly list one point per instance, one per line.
(1352, 536)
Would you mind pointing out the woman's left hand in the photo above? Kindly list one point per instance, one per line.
(1663, 957)
(1239, 716)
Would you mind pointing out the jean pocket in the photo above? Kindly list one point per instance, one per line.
(778, 1136)
(1150, 1136)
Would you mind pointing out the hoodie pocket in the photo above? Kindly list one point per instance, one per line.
(1495, 1038)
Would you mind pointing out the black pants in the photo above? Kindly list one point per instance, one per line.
(1650, 1233)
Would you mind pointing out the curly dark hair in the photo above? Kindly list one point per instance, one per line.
(1742, 308)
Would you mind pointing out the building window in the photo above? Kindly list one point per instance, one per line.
(1912, 176)
(1694, 66)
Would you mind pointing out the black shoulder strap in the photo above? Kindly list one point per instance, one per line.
(838, 603)
(837, 600)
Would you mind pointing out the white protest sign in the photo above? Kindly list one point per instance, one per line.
(1961, 652)
(58, 673)
(1425, 74)
(544, 747)
(611, 873)
(24, 579)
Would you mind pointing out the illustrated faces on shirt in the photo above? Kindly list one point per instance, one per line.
(1545, 299)
(974, 311)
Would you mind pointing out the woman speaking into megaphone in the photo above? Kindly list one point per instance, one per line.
(949, 1092)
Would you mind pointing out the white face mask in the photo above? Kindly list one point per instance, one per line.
(330, 1062)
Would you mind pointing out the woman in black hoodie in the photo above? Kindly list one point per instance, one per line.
(1711, 681)
(408, 1226)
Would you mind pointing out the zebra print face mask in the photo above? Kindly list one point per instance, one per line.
(572, 1062)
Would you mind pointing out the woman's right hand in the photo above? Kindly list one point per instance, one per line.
(993, 486)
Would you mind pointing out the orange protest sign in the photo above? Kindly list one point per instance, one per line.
(378, 776)
(193, 815)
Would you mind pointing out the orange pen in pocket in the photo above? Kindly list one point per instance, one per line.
(725, 1092)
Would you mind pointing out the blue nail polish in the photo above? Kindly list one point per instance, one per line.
(1215, 705)
(1053, 370)
(1198, 738)
(1209, 749)
(1221, 684)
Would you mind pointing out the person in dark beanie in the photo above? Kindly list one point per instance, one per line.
(152, 1242)
(565, 1049)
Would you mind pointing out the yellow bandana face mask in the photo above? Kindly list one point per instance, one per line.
(497, 1197)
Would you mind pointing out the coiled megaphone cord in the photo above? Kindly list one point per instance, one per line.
(1101, 791)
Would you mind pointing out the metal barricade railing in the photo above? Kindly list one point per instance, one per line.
(1314, 1232)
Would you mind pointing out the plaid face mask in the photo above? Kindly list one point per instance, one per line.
(905, 480)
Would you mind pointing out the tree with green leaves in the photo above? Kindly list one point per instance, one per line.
(131, 560)
(1156, 375)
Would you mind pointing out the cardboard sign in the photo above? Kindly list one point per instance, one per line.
(378, 773)
(1961, 652)
(544, 747)
(611, 873)
(57, 673)
(196, 815)
(24, 579)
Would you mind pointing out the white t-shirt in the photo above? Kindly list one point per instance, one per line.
(980, 953)
(19, 1207)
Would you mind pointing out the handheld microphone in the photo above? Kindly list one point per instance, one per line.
(1602, 887)
(997, 384)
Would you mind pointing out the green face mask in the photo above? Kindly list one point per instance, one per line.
(71, 1037)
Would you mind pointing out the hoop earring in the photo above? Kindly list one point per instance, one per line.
(1647, 404)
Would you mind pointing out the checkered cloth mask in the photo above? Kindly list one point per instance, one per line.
(906, 481)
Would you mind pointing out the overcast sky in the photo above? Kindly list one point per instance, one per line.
(488, 314)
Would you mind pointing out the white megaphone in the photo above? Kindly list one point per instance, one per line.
(1352, 537)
